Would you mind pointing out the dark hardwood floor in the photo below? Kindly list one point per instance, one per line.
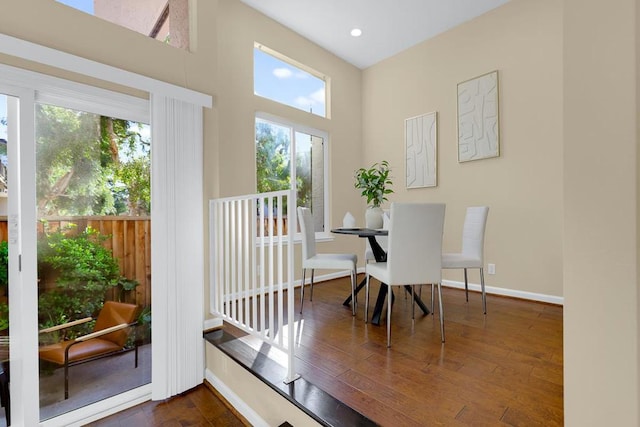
(196, 407)
(502, 369)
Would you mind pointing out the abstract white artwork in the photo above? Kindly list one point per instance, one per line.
(478, 122)
(421, 140)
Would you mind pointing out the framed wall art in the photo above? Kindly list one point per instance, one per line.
(478, 121)
(421, 141)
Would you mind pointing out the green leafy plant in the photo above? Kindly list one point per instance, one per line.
(85, 270)
(143, 332)
(4, 316)
(374, 183)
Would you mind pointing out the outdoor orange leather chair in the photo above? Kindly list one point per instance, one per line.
(109, 336)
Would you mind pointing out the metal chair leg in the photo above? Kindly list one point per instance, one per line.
(304, 270)
(66, 381)
(354, 302)
(433, 298)
(389, 303)
(311, 293)
(413, 302)
(466, 285)
(441, 311)
(484, 295)
(366, 300)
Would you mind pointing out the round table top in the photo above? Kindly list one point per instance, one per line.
(361, 231)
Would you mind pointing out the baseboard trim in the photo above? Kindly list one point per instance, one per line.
(513, 293)
(213, 323)
(493, 290)
(235, 401)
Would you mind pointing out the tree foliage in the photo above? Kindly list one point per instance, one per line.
(273, 163)
(272, 158)
(89, 164)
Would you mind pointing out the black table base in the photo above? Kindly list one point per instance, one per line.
(382, 297)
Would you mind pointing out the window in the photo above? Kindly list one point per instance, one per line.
(283, 80)
(167, 21)
(280, 145)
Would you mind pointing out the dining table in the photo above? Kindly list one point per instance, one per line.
(381, 256)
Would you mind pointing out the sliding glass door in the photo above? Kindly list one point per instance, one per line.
(4, 262)
(75, 247)
(93, 228)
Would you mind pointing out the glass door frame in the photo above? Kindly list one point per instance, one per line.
(22, 255)
(22, 220)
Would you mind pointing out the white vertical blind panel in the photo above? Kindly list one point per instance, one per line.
(178, 255)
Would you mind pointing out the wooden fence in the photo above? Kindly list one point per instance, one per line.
(129, 240)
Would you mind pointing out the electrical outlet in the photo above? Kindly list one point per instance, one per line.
(491, 268)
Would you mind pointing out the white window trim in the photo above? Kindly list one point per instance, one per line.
(65, 61)
(326, 79)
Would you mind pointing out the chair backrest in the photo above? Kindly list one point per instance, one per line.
(475, 222)
(415, 243)
(115, 313)
(305, 219)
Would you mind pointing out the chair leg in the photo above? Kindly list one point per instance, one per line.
(413, 302)
(66, 381)
(311, 293)
(354, 301)
(389, 303)
(466, 285)
(304, 270)
(441, 311)
(366, 300)
(433, 297)
(484, 295)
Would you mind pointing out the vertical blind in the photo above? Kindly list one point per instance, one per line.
(178, 232)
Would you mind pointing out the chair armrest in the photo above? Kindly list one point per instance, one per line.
(65, 325)
(103, 332)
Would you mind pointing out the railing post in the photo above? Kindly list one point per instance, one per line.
(291, 232)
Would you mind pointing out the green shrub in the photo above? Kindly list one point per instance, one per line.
(85, 269)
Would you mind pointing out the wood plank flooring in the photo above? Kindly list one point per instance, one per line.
(502, 369)
(196, 407)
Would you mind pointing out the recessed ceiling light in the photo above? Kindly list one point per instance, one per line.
(356, 32)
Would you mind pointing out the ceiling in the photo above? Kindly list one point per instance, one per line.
(388, 26)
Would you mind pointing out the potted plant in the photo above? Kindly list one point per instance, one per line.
(374, 183)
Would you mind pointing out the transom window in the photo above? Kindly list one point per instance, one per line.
(290, 156)
(164, 20)
(288, 82)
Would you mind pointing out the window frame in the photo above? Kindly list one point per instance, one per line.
(307, 69)
(297, 127)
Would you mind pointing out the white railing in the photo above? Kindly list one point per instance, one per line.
(251, 259)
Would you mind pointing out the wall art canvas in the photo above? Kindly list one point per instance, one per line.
(421, 141)
(478, 121)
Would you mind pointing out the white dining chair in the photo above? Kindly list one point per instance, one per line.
(472, 255)
(415, 253)
(312, 260)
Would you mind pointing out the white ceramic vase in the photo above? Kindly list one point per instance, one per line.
(373, 217)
